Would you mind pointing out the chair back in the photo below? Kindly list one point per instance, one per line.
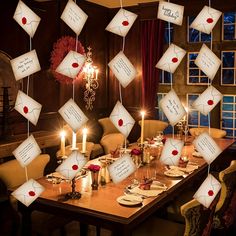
(214, 133)
(198, 219)
(107, 126)
(225, 212)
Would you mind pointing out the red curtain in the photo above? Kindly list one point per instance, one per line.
(152, 38)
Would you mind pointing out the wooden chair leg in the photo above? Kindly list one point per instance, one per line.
(98, 230)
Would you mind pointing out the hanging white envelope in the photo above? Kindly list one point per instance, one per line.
(172, 107)
(72, 165)
(208, 191)
(207, 100)
(25, 65)
(121, 168)
(208, 62)
(171, 58)
(73, 115)
(206, 20)
(122, 120)
(28, 192)
(207, 147)
(123, 69)
(121, 22)
(27, 151)
(71, 64)
(74, 16)
(171, 152)
(26, 18)
(170, 12)
(28, 107)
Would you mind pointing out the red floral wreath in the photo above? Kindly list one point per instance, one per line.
(60, 50)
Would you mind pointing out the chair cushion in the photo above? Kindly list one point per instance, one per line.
(108, 127)
(215, 133)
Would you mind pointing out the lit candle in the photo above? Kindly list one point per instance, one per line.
(73, 140)
(142, 126)
(96, 71)
(63, 142)
(85, 131)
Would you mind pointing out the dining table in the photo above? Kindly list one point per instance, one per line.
(101, 208)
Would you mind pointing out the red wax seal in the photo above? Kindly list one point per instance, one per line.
(125, 23)
(31, 193)
(25, 109)
(174, 59)
(175, 152)
(24, 20)
(75, 65)
(210, 102)
(120, 122)
(74, 167)
(210, 193)
(209, 20)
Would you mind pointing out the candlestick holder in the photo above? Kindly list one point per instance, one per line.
(73, 194)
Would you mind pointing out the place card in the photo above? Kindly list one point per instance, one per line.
(208, 62)
(25, 65)
(26, 18)
(27, 151)
(171, 58)
(73, 115)
(123, 69)
(207, 147)
(208, 191)
(207, 100)
(28, 192)
(121, 22)
(74, 16)
(71, 64)
(206, 20)
(122, 120)
(170, 12)
(28, 107)
(171, 152)
(121, 168)
(72, 165)
(172, 107)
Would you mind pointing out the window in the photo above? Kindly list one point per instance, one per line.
(229, 25)
(195, 36)
(168, 31)
(228, 117)
(165, 77)
(228, 68)
(195, 118)
(195, 75)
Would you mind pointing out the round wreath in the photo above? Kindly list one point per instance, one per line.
(60, 50)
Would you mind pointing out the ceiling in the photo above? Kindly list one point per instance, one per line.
(116, 3)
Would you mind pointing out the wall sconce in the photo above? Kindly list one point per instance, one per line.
(91, 80)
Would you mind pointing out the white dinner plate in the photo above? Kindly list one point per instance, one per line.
(174, 173)
(129, 200)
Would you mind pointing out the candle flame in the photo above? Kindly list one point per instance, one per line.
(142, 113)
(85, 131)
(63, 133)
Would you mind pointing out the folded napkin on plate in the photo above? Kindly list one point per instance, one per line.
(196, 154)
(189, 168)
(147, 193)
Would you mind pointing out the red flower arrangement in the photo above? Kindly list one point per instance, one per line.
(60, 50)
(136, 151)
(94, 168)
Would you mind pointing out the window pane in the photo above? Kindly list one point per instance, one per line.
(193, 35)
(193, 118)
(194, 72)
(228, 59)
(203, 120)
(229, 132)
(229, 17)
(167, 78)
(227, 123)
(204, 80)
(228, 76)
(205, 37)
(228, 99)
(193, 79)
(228, 107)
(191, 99)
(192, 64)
(229, 32)
(192, 56)
(227, 114)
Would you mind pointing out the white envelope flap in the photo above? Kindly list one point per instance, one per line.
(28, 192)
(122, 120)
(26, 18)
(72, 165)
(123, 69)
(171, 152)
(121, 22)
(208, 191)
(207, 147)
(71, 64)
(74, 16)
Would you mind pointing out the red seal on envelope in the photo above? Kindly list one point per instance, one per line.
(175, 152)
(24, 20)
(210, 193)
(125, 23)
(209, 20)
(31, 193)
(75, 65)
(75, 167)
(25, 109)
(120, 122)
(174, 59)
(210, 102)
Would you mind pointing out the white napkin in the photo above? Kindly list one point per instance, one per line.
(147, 193)
(189, 168)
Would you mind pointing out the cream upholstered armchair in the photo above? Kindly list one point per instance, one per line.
(214, 132)
(151, 127)
(107, 126)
